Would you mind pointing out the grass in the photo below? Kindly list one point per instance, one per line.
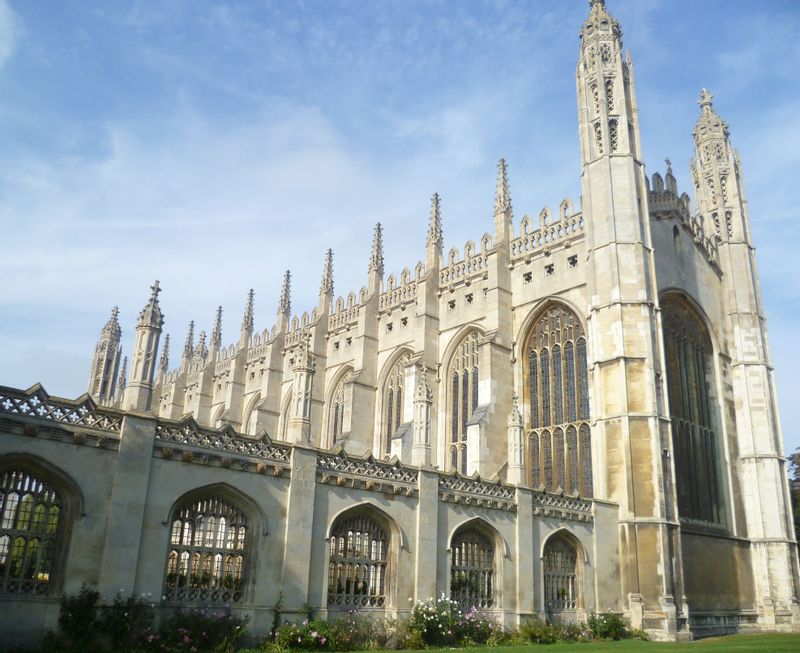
(770, 643)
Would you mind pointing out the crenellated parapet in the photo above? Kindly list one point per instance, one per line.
(474, 264)
(568, 228)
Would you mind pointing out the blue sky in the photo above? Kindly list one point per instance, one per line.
(215, 144)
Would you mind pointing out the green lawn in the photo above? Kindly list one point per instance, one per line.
(778, 643)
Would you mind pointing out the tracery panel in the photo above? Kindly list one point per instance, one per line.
(561, 586)
(336, 411)
(688, 351)
(208, 555)
(557, 387)
(393, 401)
(357, 564)
(463, 398)
(472, 569)
(30, 520)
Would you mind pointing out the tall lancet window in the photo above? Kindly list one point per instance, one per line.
(694, 441)
(463, 399)
(557, 402)
(393, 401)
(336, 411)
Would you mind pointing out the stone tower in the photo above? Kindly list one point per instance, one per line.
(138, 393)
(718, 180)
(625, 352)
(107, 357)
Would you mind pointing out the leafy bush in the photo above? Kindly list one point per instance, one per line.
(538, 632)
(77, 619)
(204, 630)
(443, 623)
(609, 625)
(126, 622)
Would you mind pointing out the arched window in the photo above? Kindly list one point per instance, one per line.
(393, 401)
(286, 413)
(561, 578)
(208, 553)
(462, 398)
(557, 387)
(31, 530)
(688, 350)
(250, 421)
(336, 411)
(357, 562)
(472, 569)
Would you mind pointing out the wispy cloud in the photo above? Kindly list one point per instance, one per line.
(9, 32)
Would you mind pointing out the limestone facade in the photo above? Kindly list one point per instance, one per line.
(576, 413)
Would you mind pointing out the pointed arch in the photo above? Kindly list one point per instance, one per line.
(38, 506)
(212, 545)
(563, 560)
(461, 380)
(475, 550)
(555, 390)
(250, 415)
(335, 406)
(362, 558)
(391, 397)
(286, 407)
(694, 410)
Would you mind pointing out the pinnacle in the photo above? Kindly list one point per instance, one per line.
(247, 319)
(163, 363)
(285, 300)
(376, 258)
(502, 200)
(326, 286)
(705, 99)
(216, 334)
(435, 235)
(188, 346)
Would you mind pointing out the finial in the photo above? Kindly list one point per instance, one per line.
(163, 363)
(326, 286)
(515, 416)
(592, 3)
(376, 258)
(188, 346)
(156, 289)
(216, 333)
(705, 99)
(247, 320)
(285, 300)
(114, 313)
(668, 161)
(435, 235)
(502, 200)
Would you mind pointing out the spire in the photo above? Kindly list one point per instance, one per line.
(502, 198)
(503, 215)
(163, 362)
(216, 334)
(151, 314)
(188, 346)
(376, 257)
(285, 300)
(112, 329)
(326, 286)
(247, 319)
(435, 236)
(123, 377)
(705, 100)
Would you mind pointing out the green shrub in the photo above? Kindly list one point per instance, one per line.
(203, 630)
(77, 619)
(538, 632)
(609, 625)
(126, 622)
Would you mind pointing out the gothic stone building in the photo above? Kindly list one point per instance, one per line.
(575, 414)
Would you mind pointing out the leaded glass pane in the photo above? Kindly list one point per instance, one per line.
(558, 449)
(572, 460)
(547, 460)
(202, 533)
(560, 562)
(558, 390)
(29, 533)
(472, 570)
(544, 363)
(357, 566)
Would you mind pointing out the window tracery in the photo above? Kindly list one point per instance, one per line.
(393, 400)
(557, 385)
(561, 588)
(30, 521)
(357, 560)
(613, 136)
(610, 95)
(208, 555)
(688, 350)
(472, 569)
(598, 137)
(463, 399)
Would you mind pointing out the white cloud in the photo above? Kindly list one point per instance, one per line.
(9, 32)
